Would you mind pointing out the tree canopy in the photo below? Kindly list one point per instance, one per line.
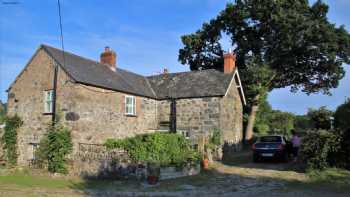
(285, 43)
(269, 121)
(320, 118)
(342, 116)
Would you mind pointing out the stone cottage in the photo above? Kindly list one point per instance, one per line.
(98, 100)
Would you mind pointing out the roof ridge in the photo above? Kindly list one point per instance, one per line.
(191, 71)
(70, 53)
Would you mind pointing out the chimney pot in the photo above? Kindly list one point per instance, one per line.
(165, 71)
(229, 62)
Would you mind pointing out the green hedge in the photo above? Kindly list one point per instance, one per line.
(161, 148)
(319, 148)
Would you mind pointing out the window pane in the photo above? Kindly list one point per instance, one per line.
(130, 105)
(50, 95)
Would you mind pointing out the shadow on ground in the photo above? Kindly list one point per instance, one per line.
(244, 159)
(238, 177)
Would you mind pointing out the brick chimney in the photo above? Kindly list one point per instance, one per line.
(229, 62)
(109, 58)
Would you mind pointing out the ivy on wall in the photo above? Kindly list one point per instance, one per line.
(54, 148)
(9, 139)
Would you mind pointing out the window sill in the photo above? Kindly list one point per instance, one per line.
(47, 113)
(130, 115)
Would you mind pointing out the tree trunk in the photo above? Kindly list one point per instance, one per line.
(251, 119)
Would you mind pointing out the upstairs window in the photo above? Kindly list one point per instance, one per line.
(130, 105)
(48, 101)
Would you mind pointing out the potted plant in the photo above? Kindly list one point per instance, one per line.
(153, 173)
(205, 161)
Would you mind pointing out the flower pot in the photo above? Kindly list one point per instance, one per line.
(152, 180)
(205, 163)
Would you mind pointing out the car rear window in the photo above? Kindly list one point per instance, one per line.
(271, 139)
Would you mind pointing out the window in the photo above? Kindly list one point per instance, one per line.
(48, 101)
(130, 105)
(186, 134)
(35, 147)
(271, 139)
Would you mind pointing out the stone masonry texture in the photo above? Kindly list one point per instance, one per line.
(94, 114)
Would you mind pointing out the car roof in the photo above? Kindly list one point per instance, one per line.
(272, 136)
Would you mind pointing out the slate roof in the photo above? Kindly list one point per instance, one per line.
(90, 72)
(192, 84)
(203, 83)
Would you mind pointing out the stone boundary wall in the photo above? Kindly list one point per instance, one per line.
(172, 172)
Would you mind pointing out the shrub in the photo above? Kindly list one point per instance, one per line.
(318, 147)
(54, 148)
(2, 112)
(162, 148)
(320, 118)
(9, 138)
(345, 148)
(342, 116)
(214, 140)
(342, 157)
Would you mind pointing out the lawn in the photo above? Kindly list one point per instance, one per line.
(225, 178)
(338, 179)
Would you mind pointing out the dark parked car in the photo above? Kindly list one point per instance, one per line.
(271, 146)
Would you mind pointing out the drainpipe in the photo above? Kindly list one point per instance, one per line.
(54, 95)
(173, 115)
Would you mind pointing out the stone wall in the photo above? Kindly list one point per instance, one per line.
(26, 98)
(200, 116)
(196, 116)
(94, 114)
(231, 118)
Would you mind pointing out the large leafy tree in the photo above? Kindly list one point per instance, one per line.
(320, 118)
(279, 43)
(342, 116)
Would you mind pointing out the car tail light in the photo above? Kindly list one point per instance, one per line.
(253, 147)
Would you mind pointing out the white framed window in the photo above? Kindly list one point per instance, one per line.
(186, 134)
(35, 147)
(130, 105)
(48, 101)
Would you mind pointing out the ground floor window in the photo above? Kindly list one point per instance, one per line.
(130, 105)
(186, 134)
(34, 148)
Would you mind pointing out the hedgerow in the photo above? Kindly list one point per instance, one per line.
(319, 148)
(161, 148)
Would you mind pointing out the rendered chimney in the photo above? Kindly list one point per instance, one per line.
(109, 58)
(229, 62)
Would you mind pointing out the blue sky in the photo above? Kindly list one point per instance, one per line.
(145, 35)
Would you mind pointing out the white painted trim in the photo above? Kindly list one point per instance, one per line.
(233, 78)
(241, 88)
(48, 93)
(238, 86)
(134, 106)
